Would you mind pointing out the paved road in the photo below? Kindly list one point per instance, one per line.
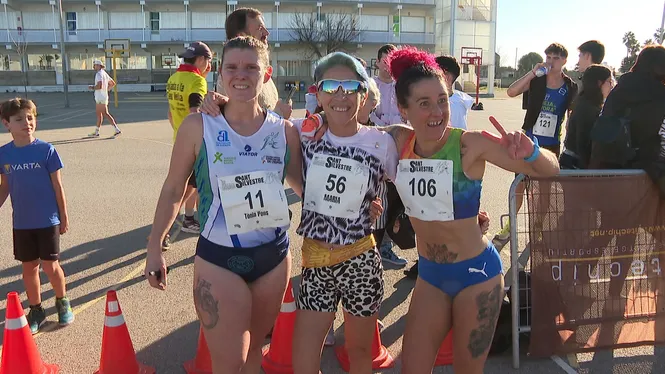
(112, 186)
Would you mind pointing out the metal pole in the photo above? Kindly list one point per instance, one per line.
(453, 21)
(115, 77)
(9, 38)
(662, 26)
(63, 55)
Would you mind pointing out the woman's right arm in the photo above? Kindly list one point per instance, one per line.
(294, 167)
(183, 157)
(400, 134)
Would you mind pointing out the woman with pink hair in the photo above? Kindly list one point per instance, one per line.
(439, 179)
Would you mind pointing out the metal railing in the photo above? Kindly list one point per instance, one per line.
(520, 257)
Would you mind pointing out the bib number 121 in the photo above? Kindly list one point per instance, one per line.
(423, 187)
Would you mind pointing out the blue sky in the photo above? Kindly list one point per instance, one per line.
(531, 25)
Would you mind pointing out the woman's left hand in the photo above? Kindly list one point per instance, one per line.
(484, 221)
(518, 145)
(375, 209)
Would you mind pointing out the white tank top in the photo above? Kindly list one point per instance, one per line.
(250, 208)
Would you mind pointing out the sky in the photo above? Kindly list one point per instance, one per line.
(531, 25)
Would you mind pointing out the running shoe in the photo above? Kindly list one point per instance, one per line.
(502, 237)
(65, 314)
(388, 255)
(36, 318)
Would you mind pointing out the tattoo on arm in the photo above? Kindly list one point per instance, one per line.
(206, 304)
(489, 304)
(440, 254)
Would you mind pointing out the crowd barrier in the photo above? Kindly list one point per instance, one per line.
(586, 258)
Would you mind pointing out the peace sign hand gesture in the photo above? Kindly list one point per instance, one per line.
(518, 145)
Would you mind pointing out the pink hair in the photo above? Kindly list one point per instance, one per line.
(400, 60)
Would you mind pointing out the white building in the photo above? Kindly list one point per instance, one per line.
(159, 29)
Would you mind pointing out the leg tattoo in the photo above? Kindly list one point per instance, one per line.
(206, 304)
(488, 312)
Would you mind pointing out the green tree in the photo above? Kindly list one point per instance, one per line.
(631, 43)
(659, 35)
(527, 62)
(627, 63)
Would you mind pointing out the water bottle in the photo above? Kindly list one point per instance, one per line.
(543, 70)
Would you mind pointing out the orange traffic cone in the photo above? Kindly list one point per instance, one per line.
(381, 358)
(445, 354)
(277, 358)
(19, 351)
(201, 364)
(118, 354)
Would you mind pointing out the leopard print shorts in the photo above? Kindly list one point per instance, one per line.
(357, 282)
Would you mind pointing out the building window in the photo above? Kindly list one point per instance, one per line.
(293, 69)
(154, 21)
(9, 64)
(45, 62)
(71, 22)
(83, 61)
(133, 62)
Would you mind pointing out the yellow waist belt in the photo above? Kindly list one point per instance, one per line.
(314, 255)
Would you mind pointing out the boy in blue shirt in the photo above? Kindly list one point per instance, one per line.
(30, 172)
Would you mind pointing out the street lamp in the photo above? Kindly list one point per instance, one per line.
(65, 62)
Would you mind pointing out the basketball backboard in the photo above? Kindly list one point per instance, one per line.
(472, 56)
(121, 46)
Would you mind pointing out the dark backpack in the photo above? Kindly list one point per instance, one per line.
(404, 237)
(611, 143)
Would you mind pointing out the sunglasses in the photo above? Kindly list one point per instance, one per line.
(349, 87)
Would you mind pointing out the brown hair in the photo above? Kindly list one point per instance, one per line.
(247, 42)
(557, 49)
(236, 22)
(651, 61)
(14, 106)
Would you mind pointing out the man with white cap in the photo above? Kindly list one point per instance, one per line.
(103, 83)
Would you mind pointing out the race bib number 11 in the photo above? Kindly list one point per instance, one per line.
(336, 186)
(253, 201)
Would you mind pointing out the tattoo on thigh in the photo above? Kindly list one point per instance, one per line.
(489, 303)
(440, 254)
(206, 304)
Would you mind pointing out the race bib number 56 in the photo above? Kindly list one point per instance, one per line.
(336, 186)
(426, 189)
(253, 201)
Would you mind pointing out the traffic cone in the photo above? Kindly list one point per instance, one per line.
(277, 358)
(445, 354)
(118, 354)
(381, 358)
(19, 351)
(201, 363)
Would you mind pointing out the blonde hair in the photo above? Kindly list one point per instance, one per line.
(373, 91)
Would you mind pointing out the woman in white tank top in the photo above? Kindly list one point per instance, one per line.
(240, 160)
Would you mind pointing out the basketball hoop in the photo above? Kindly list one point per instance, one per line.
(474, 56)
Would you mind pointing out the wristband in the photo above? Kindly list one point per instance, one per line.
(536, 151)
